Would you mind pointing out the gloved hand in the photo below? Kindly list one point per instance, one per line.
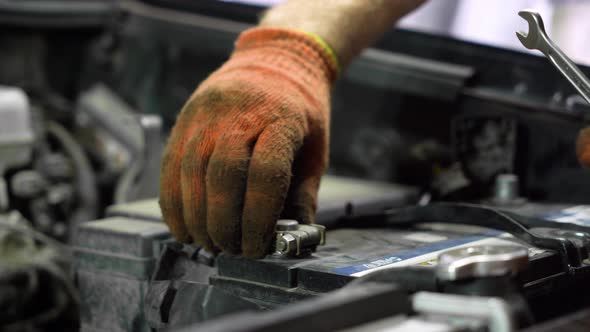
(250, 144)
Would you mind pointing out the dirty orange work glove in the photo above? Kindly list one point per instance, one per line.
(250, 144)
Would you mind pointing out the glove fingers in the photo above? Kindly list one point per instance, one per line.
(171, 197)
(308, 168)
(268, 181)
(226, 184)
(170, 188)
(194, 199)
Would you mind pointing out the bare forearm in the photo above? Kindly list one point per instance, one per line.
(347, 26)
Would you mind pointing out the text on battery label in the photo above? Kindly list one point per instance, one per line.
(576, 215)
(418, 255)
(382, 262)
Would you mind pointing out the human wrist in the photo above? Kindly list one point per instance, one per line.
(284, 51)
(347, 26)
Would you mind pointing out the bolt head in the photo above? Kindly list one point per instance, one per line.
(286, 244)
(284, 225)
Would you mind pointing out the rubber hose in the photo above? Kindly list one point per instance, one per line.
(85, 177)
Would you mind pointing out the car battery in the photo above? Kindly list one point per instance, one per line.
(114, 260)
(552, 283)
(131, 253)
(115, 257)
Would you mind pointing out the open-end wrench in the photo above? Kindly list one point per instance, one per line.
(537, 39)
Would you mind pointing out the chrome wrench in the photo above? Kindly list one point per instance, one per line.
(537, 39)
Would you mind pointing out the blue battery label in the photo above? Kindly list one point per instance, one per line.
(412, 253)
(576, 215)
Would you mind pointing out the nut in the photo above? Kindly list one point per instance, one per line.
(286, 243)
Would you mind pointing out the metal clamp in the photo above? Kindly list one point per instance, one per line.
(297, 240)
(481, 262)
